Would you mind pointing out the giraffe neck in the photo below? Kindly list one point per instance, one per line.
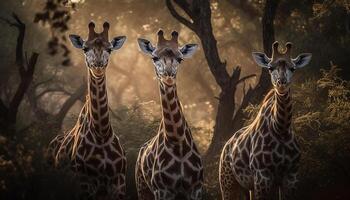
(282, 113)
(98, 108)
(172, 115)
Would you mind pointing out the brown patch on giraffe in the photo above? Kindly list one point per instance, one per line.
(185, 148)
(177, 116)
(195, 160)
(177, 150)
(167, 180)
(103, 109)
(164, 104)
(105, 121)
(165, 157)
(180, 130)
(109, 169)
(174, 168)
(172, 139)
(93, 89)
(169, 128)
(170, 95)
(173, 106)
(102, 91)
(167, 116)
(245, 157)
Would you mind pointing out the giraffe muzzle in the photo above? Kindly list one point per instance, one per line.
(281, 82)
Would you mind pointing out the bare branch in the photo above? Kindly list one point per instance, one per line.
(8, 21)
(177, 16)
(186, 7)
(70, 102)
(245, 78)
(59, 89)
(43, 82)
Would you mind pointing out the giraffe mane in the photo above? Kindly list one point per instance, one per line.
(268, 96)
(75, 137)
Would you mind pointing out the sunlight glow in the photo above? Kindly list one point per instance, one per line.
(77, 1)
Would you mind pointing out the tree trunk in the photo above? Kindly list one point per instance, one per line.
(26, 70)
(54, 122)
(256, 95)
(226, 122)
(223, 122)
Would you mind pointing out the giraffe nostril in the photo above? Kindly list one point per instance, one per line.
(281, 81)
(99, 64)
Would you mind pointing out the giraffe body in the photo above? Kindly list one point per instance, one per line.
(263, 157)
(92, 149)
(169, 165)
(259, 159)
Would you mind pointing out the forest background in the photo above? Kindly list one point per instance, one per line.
(43, 83)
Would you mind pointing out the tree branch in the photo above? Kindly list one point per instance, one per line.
(70, 102)
(177, 16)
(26, 79)
(42, 93)
(245, 78)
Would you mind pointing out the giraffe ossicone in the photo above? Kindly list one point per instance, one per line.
(263, 157)
(169, 165)
(91, 147)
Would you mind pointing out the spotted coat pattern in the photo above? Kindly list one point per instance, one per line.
(169, 165)
(262, 157)
(94, 151)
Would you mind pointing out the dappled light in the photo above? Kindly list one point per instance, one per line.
(43, 84)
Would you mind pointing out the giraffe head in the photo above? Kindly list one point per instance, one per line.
(281, 66)
(97, 48)
(167, 55)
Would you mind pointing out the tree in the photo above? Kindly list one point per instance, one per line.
(229, 118)
(26, 68)
(54, 121)
(256, 95)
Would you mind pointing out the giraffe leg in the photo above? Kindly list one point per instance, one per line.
(196, 193)
(230, 188)
(289, 186)
(263, 186)
(118, 188)
(87, 189)
(163, 195)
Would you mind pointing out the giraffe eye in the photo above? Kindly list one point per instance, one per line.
(155, 59)
(179, 60)
(85, 49)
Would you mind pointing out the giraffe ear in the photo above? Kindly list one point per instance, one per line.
(118, 42)
(146, 46)
(76, 41)
(261, 59)
(188, 50)
(302, 60)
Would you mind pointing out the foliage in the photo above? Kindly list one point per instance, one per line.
(56, 14)
(26, 174)
(322, 124)
(321, 105)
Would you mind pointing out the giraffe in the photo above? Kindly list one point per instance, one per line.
(169, 165)
(92, 149)
(262, 158)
